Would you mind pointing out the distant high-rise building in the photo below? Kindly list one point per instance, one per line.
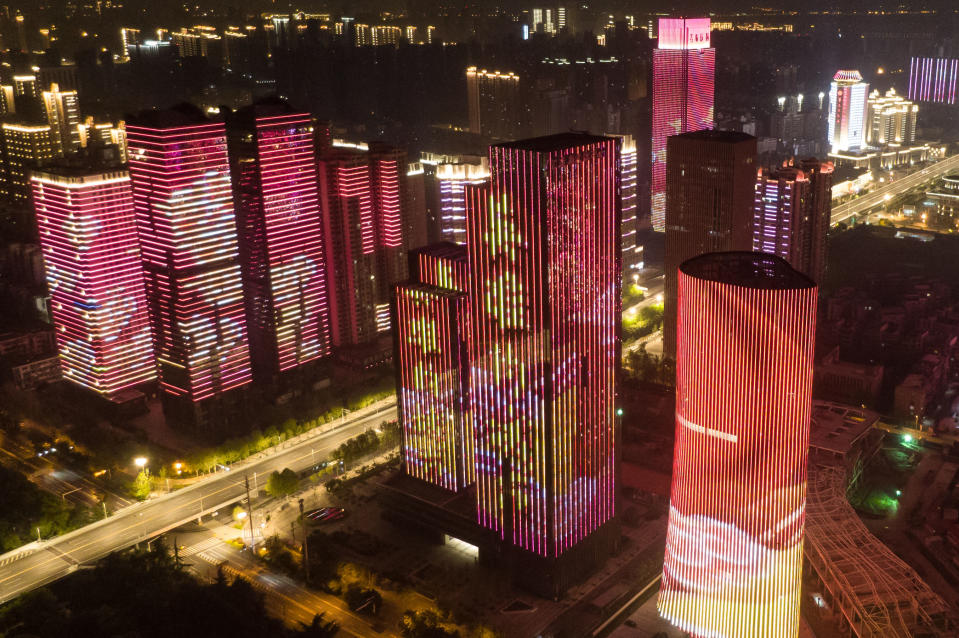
(91, 132)
(847, 111)
(26, 86)
(792, 210)
(744, 370)
(367, 207)
(63, 75)
(684, 69)
(88, 234)
(280, 229)
(8, 105)
(432, 362)
(21, 33)
(545, 281)
(199, 42)
(385, 34)
(451, 182)
(710, 187)
(129, 37)
(26, 147)
(496, 107)
(890, 119)
(633, 258)
(188, 238)
(933, 80)
(62, 109)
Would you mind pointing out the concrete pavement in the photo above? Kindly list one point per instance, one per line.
(62, 555)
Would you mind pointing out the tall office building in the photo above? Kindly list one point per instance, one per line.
(62, 109)
(684, 70)
(734, 546)
(496, 106)
(26, 147)
(432, 363)
(545, 284)
(847, 111)
(633, 257)
(791, 211)
(890, 119)
(366, 204)
(711, 180)
(280, 229)
(933, 80)
(451, 183)
(88, 235)
(185, 221)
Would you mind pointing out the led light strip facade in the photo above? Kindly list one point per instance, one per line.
(545, 280)
(281, 236)
(733, 563)
(184, 206)
(95, 277)
(684, 73)
(933, 79)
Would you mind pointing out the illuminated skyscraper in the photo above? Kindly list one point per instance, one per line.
(890, 119)
(95, 277)
(366, 204)
(432, 362)
(744, 372)
(545, 281)
(792, 211)
(280, 236)
(684, 69)
(933, 80)
(496, 107)
(847, 111)
(63, 114)
(709, 205)
(26, 147)
(632, 252)
(451, 181)
(185, 222)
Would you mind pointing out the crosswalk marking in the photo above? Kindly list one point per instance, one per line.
(15, 557)
(202, 546)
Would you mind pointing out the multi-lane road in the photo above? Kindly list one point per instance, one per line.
(877, 197)
(40, 563)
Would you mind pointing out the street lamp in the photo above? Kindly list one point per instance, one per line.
(140, 462)
(178, 467)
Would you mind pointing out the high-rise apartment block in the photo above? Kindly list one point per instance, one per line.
(366, 208)
(545, 282)
(62, 109)
(88, 233)
(847, 111)
(496, 105)
(431, 319)
(711, 180)
(632, 251)
(684, 69)
(890, 119)
(188, 238)
(744, 370)
(792, 210)
(26, 146)
(280, 229)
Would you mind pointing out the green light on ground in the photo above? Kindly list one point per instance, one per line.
(619, 411)
(907, 438)
(898, 492)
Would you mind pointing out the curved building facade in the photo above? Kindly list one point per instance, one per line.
(744, 372)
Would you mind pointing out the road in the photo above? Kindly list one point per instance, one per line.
(877, 197)
(39, 563)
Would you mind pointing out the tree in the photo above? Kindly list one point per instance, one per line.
(320, 628)
(141, 487)
(282, 483)
(424, 624)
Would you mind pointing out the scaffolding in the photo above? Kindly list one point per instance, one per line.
(878, 594)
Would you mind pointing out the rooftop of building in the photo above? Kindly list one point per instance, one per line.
(556, 142)
(747, 269)
(443, 249)
(184, 114)
(270, 106)
(716, 135)
(836, 428)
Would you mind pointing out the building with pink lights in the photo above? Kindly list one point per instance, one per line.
(280, 229)
(545, 279)
(188, 239)
(94, 273)
(933, 80)
(684, 69)
(791, 215)
(365, 201)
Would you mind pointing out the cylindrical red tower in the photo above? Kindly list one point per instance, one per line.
(744, 371)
